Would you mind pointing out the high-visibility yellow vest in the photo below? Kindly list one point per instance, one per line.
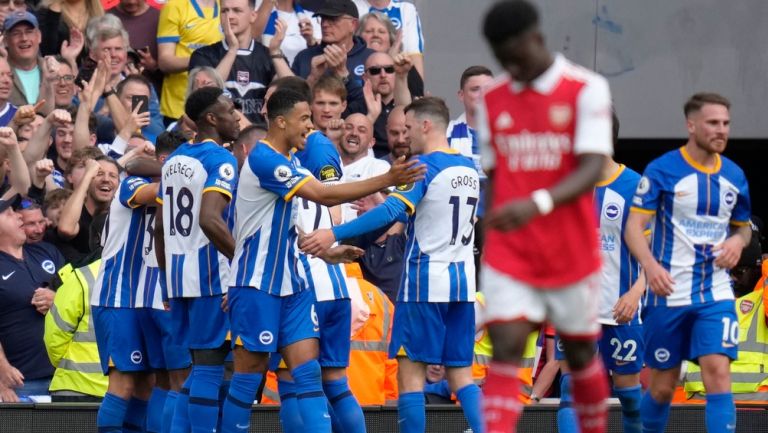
(484, 352)
(749, 373)
(69, 337)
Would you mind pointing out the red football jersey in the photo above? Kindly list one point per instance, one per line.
(531, 137)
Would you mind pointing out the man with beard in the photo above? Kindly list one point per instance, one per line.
(34, 221)
(397, 136)
(92, 197)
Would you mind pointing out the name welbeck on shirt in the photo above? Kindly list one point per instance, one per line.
(179, 168)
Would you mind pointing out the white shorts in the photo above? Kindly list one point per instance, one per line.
(572, 310)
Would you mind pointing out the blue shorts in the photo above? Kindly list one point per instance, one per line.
(434, 332)
(622, 348)
(166, 348)
(335, 319)
(674, 334)
(266, 323)
(200, 321)
(119, 339)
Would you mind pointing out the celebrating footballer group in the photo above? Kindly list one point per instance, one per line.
(241, 259)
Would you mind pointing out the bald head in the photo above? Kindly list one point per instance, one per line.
(358, 137)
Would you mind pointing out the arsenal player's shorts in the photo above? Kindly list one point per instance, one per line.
(571, 310)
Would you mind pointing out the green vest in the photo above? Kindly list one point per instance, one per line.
(750, 370)
(69, 337)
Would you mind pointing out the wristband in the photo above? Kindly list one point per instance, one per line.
(108, 93)
(543, 201)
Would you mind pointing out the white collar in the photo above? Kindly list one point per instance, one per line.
(547, 81)
(240, 51)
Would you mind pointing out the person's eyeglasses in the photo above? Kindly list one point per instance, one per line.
(66, 78)
(376, 70)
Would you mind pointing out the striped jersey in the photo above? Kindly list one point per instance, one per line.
(439, 263)
(149, 293)
(694, 207)
(404, 17)
(293, 41)
(320, 158)
(194, 267)
(265, 233)
(121, 258)
(613, 198)
(464, 139)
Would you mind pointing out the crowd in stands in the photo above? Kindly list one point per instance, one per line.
(88, 90)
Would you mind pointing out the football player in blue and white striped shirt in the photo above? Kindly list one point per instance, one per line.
(122, 348)
(270, 307)
(434, 320)
(700, 207)
(196, 186)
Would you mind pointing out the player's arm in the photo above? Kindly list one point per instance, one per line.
(213, 225)
(401, 172)
(729, 251)
(144, 167)
(320, 240)
(627, 305)
(657, 277)
(145, 195)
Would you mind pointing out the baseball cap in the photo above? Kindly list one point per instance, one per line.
(20, 17)
(10, 202)
(337, 8)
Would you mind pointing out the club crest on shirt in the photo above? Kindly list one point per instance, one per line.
(48, 266)
(729, 198)
(612, 211)
(560, 115)
(504, 121)
(243, 77)
(746, 306)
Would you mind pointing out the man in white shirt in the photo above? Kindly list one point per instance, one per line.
(354, 150)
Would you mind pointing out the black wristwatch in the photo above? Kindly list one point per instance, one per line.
(278, 55)
(108, 93)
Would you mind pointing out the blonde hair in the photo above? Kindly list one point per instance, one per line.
(94, 9)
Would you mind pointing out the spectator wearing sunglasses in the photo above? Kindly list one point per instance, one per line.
(386, 80)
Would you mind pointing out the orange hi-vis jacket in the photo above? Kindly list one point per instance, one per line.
(372, 376)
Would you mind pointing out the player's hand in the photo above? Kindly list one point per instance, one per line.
(659, 280)
(342, 254)
(403, 172)
(512, 215)
(316, 242)
(367, 203)
(626, 307)
(224, 303)
(729, 251)
(42, 299)
(10, 376)
(8, 395)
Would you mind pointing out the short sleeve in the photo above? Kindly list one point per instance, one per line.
(130, 186)
(277, 174)
(222, 173)
(593, 120)
(168, 23)
(199, 58)
(323, 160)
(413, 38)
(742, 211)
(411, 193)
(649, 190)
(487, 154)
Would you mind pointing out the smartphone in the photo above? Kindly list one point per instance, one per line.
(140, 101)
